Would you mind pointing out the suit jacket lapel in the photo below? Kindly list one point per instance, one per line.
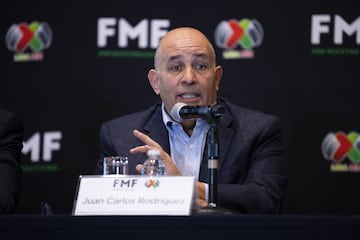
(156, 129)
(225, 137)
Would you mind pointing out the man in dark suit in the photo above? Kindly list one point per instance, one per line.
(11, 143)
(251, 176)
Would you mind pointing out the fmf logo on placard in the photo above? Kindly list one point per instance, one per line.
(121, 183)
(28, 40)
(336, 147)
(245, 34)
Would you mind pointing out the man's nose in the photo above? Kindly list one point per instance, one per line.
(189, 76)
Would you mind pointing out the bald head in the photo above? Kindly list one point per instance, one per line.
(182, 37)
(185, 69)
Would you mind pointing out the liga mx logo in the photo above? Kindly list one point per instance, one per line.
(239, 38)
(28, 41)
(152, 183)
(336, 147)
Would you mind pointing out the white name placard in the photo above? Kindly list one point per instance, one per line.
(134, 195)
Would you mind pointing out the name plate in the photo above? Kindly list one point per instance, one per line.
(134, 195)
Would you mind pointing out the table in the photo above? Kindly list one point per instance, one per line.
(202, 226)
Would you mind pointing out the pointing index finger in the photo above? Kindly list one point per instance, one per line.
(145, 139)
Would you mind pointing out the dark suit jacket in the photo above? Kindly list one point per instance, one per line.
(11, 143)
(251, 176)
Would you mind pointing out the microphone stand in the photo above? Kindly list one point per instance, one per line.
(212, 116)
(213, 158)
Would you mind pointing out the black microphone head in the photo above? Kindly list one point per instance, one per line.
(217, 110)
(175, 111)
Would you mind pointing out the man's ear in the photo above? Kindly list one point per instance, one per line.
(153, 78)
(218, 73)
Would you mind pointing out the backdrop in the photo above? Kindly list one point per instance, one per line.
(68, 66)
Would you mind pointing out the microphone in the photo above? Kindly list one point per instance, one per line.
(181, 111)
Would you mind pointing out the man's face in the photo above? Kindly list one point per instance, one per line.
(186, 71)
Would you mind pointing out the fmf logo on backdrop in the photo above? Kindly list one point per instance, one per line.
(28, 41)
(147, 34)
(48, 142)
(338, 146)
(246, 34)
(328, 31)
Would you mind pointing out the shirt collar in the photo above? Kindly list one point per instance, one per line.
(166, 118)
